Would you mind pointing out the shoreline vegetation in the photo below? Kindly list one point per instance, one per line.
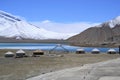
(23, 68)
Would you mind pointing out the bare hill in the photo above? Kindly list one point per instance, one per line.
(105, 34)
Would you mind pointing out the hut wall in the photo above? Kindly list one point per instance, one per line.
(95, 52)
(9, 55)
(80, 52)
(38, 53)
(111, 52)
(20, 55)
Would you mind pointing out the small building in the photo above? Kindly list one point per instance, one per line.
(20, 53)
(95, 51)
(9, 54)
(111, 51)
(80, 51)
(37, 53)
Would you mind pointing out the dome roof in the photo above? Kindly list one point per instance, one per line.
(95, 49)
(80, 49)
(111, 50)
(9, 53)
(20, 51)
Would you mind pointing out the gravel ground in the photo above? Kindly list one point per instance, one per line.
(108, 70)
(23, 68)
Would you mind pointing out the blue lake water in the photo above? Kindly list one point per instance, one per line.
(47, 46)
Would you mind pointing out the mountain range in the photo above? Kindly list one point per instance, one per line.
(105, 34)
(13, 27)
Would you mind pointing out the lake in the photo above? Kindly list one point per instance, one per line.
(48, 46)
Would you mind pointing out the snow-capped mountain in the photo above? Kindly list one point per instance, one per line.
(13, 27)
(111, 23)
(114, 22)
(105, 33)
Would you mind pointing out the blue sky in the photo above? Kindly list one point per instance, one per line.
(63, 11)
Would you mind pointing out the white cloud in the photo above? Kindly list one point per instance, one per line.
(46, 21)
(75, 27)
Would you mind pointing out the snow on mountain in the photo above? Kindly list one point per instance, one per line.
(115, 21)
(13, 27)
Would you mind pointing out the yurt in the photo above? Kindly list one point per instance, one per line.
(20, 53)
(37, 53)
(111, 51)
(9, 54)
(95, 51)
(80, 51)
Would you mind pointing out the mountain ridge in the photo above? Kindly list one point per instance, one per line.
(105, 34)
(11, 27)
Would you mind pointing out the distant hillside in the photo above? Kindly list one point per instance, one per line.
(105, 34)
(14, 40)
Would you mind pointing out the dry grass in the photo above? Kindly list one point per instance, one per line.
(22, 68)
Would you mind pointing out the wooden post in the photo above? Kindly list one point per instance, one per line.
(119, 49)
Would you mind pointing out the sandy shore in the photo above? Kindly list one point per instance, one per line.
(24, 68)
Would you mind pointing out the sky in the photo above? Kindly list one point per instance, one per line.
(66, 16)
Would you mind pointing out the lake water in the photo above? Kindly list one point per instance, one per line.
(47, 46)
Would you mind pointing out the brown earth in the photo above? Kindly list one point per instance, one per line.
(22, 68)
(101, 35)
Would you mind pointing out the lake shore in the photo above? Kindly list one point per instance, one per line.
(23, 68)
(57, 41)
